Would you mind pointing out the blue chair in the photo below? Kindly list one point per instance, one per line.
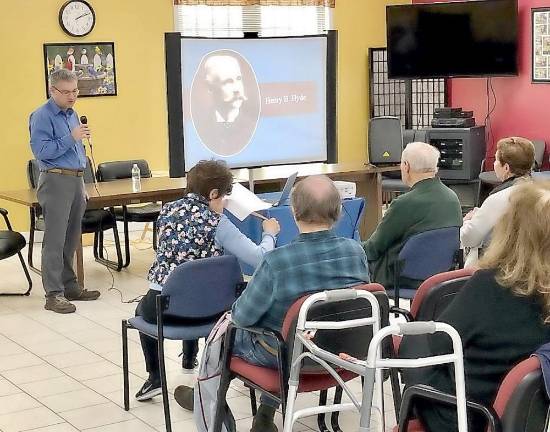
(424, 255)
(347, 226)
(199, 290)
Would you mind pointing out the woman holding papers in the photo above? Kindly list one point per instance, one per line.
(195, 227)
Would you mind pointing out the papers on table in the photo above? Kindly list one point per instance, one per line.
(242, 202)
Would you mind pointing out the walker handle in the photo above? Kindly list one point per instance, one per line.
(417, 328)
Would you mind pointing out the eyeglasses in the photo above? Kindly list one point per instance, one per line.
(67, 92)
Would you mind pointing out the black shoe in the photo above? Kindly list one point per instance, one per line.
(149, 390)
(82, 295)
(185, 397)
(189, 366)
(263, 420)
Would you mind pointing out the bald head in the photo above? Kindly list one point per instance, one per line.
(315, 200)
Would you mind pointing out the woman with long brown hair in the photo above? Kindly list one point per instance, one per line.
(503, 312)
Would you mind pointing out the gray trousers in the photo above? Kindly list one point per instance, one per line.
(63, 202)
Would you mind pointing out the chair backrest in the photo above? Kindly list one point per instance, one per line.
(109, 171)
(540, 147)
(430, 252)
(33, 172)
(385, 140)
(521, 402)
(437, 292)
(353, 341)
(202, 288)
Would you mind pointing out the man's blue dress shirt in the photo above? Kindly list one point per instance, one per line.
(51, 140)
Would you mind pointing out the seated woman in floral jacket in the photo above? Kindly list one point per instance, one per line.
(195, 227)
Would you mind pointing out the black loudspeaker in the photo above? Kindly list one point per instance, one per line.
(385, 140)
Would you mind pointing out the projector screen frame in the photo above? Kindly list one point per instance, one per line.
(176, 143)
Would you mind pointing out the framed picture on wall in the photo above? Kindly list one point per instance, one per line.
(540, 22)
(93, 63)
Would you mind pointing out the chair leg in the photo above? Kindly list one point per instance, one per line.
(125, 372)
(164, 385)
(117, 247)
(335, 415)
(100, 258)
(27, 275)
(321, 424)
(155, 235)
(96, 247)
(31, 241)
(126, 238)
(253, 402)
(221, 401)
(396, 392)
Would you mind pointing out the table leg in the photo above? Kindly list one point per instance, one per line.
(371, 189)
(80, 264)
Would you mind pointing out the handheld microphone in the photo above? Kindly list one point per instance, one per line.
(84, 121)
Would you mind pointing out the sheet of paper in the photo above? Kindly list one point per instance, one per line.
(242, 202)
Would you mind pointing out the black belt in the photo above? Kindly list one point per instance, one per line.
(66, 171)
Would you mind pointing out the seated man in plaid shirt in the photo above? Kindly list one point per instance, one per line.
(316, 260)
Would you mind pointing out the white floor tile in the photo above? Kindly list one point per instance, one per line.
(127, 426)
(19, 361)
(7, 388)
(95, 370)
(72, 400)
(31, 374)
(17, 402)
(95, 416)
(29, 419)
(49, 387)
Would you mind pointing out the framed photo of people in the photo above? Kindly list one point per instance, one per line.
(541, 45)
(93, 63)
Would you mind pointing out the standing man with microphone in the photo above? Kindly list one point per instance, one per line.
(56, 142)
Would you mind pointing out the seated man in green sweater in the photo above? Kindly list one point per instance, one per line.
(427, 206)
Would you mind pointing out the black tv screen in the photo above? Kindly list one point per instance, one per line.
(454, 39)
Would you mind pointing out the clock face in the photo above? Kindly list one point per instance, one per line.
(77, 18)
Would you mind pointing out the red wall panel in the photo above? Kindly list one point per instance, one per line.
(523, 108)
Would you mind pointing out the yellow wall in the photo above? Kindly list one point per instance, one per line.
(134, 123)
(130, 125)
(361, 24)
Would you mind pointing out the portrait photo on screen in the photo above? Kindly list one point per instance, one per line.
(225, 102)
(254, 102)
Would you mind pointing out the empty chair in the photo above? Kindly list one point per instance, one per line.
(11, 243)
(424, 255)
(109, 171)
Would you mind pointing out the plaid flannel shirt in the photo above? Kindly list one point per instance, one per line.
(315, 261)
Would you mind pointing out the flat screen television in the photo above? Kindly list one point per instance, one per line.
(251, 101)
(453, 39)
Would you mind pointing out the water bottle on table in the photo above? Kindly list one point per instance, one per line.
(136, 179)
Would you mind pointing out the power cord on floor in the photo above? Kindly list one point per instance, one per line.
(113, 288)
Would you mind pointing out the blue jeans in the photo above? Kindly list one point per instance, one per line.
(248, 348)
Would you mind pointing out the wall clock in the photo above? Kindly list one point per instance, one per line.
(77, 18)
